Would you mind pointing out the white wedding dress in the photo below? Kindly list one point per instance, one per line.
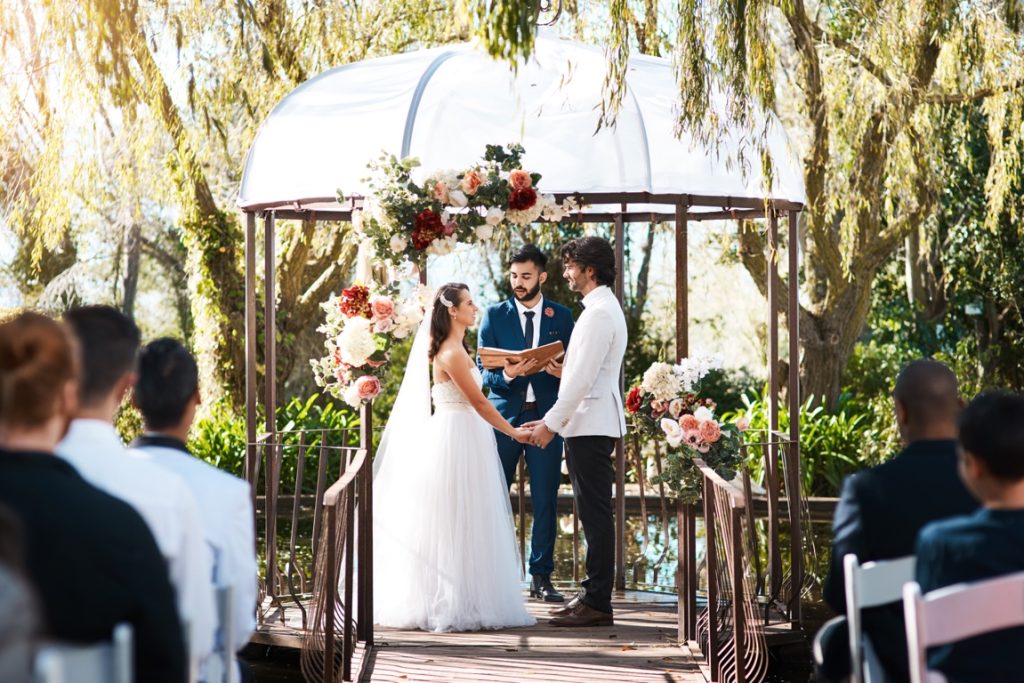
(445, 556)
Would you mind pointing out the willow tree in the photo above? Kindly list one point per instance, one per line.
(181, 89)
(864, 86)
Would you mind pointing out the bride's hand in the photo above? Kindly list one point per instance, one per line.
(522, 434)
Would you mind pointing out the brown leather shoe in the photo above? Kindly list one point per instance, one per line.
(583, 615)
(568, 609)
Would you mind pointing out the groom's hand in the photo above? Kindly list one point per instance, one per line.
(541, 435)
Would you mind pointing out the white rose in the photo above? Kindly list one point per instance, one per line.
(673, 432)
(494, 216)
(351, 396)
(442, 246)
(398, 244)
(356, 342)
(457, 198)
(703, 413)
(485, 232)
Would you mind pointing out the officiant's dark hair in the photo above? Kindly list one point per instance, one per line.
(441, 319)
(109, 344)
(532, 253)
(168, 379)
(592, 252)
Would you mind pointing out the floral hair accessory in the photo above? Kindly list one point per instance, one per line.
(444, 301)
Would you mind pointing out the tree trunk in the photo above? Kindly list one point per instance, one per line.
(130, 284)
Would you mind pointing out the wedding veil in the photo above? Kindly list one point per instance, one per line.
(411, 410)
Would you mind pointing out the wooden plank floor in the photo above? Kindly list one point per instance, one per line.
(640, 647)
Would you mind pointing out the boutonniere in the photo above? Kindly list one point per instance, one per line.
(549, 312)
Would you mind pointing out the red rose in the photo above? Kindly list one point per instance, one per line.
(549, 312)
(428, 227)
(521, 200)
(355, 302)
(634, 399)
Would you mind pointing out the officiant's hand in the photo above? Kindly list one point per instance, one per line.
(541, 436)
(554, 368)
(520, 368)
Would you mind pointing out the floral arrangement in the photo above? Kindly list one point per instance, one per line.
(361, 325)
(405, 220)
(667, 405)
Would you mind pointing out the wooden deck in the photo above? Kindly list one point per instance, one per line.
(640, 647)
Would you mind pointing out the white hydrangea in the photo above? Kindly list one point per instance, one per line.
(693, 369)
(661, 381)
(356, 342)
(442, 246)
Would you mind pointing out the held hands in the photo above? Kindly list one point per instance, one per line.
(522, 434)
(540, 435)
(515, 369)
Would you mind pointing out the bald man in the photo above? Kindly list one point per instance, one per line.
(881, 509)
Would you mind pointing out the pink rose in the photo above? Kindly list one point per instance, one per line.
(710, 431)
(658, 407)
(691, 437)
(449, 229)
(689, 423)
(675, 407)
(471, 182)
(367, 387)
(743, 424)
(381, 307)
(441, 191)
(520, 179)
(383, 326)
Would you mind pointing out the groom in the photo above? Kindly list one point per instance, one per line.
(588, 414)
(522, 392)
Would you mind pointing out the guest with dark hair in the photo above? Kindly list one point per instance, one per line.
(167, 395)
(882, 509)
(90, 557)
(987, 544)
(109, 343)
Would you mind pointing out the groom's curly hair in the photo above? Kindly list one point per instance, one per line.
(592, 252)
(441, 319)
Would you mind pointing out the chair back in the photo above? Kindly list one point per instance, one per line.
(871, 585)
(958, 612)
(100, 663)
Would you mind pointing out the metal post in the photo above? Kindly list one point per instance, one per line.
(250, 352)
(711, 553)
(775, 561)
(620, 453)
(270, 326)
(331, 587)
(736, 529)
(793, 452)
(366, 525)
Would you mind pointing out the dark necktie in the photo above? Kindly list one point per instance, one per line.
(529, 328)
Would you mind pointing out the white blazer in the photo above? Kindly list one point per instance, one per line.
(589, 399)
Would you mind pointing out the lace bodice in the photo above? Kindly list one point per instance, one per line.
(447, 394)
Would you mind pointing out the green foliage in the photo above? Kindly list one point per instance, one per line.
(833, 444)
(219, 438)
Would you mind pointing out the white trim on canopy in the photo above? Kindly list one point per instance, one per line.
(445, 104)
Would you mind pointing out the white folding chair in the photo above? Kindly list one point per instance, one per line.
(100, 663)
(958, 612)
(871, 585)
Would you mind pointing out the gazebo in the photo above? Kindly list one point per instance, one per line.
(443, 105)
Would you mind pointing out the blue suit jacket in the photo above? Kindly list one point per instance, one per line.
(501, 329)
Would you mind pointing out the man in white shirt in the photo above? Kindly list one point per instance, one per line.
(108, 344)
(588, 415)
(167, 395)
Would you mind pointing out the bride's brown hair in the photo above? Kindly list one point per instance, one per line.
(448, 295)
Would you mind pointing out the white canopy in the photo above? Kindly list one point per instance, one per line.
(443, 105)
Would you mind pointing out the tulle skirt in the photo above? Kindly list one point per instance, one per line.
(445, 556)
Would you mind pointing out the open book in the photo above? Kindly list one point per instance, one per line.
(495, 358)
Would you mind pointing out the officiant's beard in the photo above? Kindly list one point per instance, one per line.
(529, 296)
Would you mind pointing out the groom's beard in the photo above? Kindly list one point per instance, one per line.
(528, 295)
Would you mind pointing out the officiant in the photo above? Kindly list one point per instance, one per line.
(523, 392)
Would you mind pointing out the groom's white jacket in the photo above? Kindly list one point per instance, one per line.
(589, 399)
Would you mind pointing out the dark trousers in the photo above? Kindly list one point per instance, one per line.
(592, 471)
(544, 467)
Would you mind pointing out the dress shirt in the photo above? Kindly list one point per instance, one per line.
(589, 396)
(533, 343)
(94, 448)
(227, 516)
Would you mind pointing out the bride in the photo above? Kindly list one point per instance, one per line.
(445, 557)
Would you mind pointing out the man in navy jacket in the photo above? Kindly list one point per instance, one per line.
(523, 392)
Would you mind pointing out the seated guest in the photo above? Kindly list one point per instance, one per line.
(984, 545)
(108, 343)
(881, 509)
(167, 395)
(90, 557)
